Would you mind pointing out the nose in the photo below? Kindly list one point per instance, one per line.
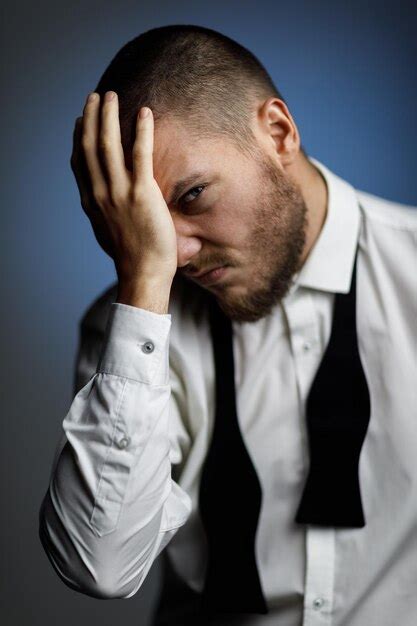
(187, 247)
(188, 239)
(188, 243)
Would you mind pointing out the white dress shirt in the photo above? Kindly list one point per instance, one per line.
(125, 485)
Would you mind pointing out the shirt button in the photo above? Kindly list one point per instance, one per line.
(306, 346)
(148, 347)
(123, 442)
(318, 603)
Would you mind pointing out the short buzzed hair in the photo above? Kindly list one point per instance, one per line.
(197, 75)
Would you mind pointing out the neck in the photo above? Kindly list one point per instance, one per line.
(313, 188)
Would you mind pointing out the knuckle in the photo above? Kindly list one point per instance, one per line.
(100, 196)
(139, 194)
(135, 157)
(86, 143)
(138, 153)
(105, 143)
(141, 148)
(116, 196)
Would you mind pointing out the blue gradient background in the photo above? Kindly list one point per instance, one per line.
(348, 74)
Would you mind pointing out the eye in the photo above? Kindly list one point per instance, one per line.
(190, 192)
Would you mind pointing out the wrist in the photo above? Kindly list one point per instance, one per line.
(150, 294)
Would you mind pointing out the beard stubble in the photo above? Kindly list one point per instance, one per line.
(275, 247)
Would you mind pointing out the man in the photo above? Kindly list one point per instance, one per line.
(254, 424)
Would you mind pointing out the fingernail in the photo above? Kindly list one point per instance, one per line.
(92, 97)
(144, 112)
(109, 96)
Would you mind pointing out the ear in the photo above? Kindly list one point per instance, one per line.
(278, 130)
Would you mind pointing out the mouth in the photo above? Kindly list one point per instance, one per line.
(212, 276)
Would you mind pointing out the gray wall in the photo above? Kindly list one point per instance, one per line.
(349, 77)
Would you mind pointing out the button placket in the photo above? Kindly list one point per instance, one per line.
(320, 571)
(318, 603)
(303, 326)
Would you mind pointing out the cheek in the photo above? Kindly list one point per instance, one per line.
(231, 223)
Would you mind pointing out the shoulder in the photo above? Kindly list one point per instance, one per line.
(383, 213)
(388, 242)
(389, 236)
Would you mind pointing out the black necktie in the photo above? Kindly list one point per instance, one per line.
(230, 495)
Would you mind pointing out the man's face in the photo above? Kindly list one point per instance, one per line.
(249, 216)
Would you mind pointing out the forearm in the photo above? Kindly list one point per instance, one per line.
(111, 501)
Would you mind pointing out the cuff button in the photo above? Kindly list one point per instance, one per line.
(123, 442)
(318, 603)
(148, 347)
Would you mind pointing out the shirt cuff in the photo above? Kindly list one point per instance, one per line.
(136, 344)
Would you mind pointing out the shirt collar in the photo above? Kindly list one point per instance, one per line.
(329, 264)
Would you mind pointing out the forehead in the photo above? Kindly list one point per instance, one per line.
(178, 153)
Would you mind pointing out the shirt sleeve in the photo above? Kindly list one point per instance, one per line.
(111, 505)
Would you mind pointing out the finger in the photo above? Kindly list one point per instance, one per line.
(111, 147)
(89, 140)
(142, 152)
(79, 167)
(91, 209)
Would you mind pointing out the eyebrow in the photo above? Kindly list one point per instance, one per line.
(183, 184)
